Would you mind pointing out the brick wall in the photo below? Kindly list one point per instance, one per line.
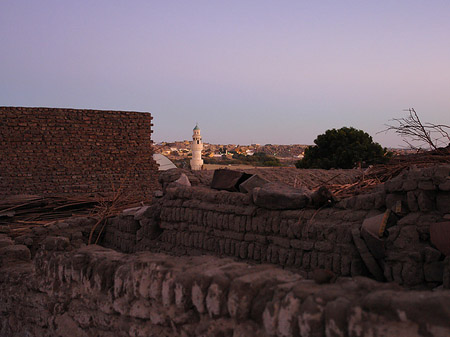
(93, 291)
(49, 150)
(197, 220)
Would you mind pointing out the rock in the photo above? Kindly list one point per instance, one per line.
(278, 196)
(39, 231)
(434, 271)
(141, 212)
(183, 180)
(321, 197)
(56, 243)
(446, 276)
(228, 180)
(252, 182)
(374, 243)
(5, 241)
(14, 253)
(443, 202)
(321, 276)
(131, 211)
(336, 317)
(440, 236)
(431, 254)
(408, 238)
(168, 176)
(445, 185)
(366, 256)
(76, 236)
(426, 200)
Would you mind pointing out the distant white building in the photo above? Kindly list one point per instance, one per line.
(163, 162)
(196, 147)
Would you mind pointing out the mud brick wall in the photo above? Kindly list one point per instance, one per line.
(227, 224)
(418, 190)
(52, 151)
(200, 220)
(94, 291)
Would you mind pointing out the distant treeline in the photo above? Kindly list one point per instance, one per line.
(257, 159)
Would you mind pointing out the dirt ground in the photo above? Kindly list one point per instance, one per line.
(310, 178)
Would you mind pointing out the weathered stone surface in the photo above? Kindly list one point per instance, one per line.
(426, 200)
(14, 253)
(443, 202)
(5, 241)
(322, 196)
(366, 256)
(440, 236)
(96, 291)
(254, 181)
(277, 196)
(228, 180)
(56, 243)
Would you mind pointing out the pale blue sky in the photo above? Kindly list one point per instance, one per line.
(277, 72)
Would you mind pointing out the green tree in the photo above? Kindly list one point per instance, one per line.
(343, 148)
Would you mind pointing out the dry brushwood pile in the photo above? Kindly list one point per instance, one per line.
(380, 173)
(23, 212)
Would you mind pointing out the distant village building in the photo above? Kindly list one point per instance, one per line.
(197, 147)
(163, 162)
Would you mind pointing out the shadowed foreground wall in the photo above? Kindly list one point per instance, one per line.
(95, 291)
(47, 151)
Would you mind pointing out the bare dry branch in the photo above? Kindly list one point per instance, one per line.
(412, 129)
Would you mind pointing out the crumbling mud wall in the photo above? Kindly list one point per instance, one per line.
(197, 220)
(94, 291)
(227, 223)
(48, 151)
(51, 284)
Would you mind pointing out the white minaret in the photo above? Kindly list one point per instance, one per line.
(197, 147)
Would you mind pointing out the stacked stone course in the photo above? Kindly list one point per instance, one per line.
(94, 291)
(56, 151)
(195, 220)
(228, 224)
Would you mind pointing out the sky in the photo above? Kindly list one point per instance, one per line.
(247, 71)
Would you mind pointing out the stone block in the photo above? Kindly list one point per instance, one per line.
(310, 319)
(392, 200)
(14, 253)
(254, 181)
(426, 200)
(366, 256)
(433, 271)
(446, 275)
(409, 185)
(413, 273)
(243, 250)
(287, 316)
(56, 243)
(228, 180)
(411, 197)
(445, 185)
(278, 196)
(431, 254)
(426, 185)
(336, 315)
(440, 236)
(6, 241)
(408, 239)
(443, 202)
(323, 246)
(279, 241)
